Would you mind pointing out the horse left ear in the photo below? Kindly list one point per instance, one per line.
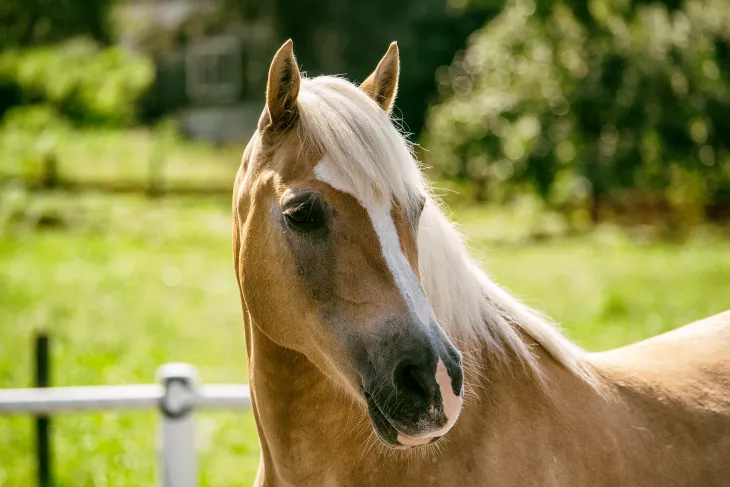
(382, 84)
(282, 88)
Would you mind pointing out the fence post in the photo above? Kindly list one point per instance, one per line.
(156, 171)
(43, 423)
(177, 456)
(50, 178)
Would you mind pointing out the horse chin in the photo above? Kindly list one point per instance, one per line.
(389, 435)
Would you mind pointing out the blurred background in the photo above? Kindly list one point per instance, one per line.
(583, 146)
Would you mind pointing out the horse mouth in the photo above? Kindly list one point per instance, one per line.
(388, 434)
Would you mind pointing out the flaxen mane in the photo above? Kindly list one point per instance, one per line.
(378, 162)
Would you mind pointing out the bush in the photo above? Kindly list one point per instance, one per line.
(350, 37)
(86, 84)
(28, 135)
(28, 23)
(617, 105)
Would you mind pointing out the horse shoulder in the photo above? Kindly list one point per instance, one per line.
(674, 390)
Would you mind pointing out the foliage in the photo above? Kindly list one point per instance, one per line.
(341, 36)
(87, 84)
(28, 23)
(608, 103)
(124, 284)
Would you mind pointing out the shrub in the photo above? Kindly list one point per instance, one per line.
(87, 84)
(612, 105)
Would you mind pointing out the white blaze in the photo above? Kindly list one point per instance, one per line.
(409, 287)
(403, 274)
(379, 214)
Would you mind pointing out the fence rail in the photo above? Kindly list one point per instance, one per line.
(153, 184)
(54, 400)
(177, 395)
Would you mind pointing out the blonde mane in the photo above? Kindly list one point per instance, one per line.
(377, 161)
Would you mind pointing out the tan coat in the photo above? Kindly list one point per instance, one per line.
(660, 415)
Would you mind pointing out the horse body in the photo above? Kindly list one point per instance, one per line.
(663, 422)
(355, 290)
(676, 388)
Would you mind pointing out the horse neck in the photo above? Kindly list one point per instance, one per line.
(303, 419)
(308, 427)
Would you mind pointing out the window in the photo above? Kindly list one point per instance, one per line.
(213, 70)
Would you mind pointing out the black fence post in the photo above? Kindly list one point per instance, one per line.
(43, 423)
(154, 184)
(156, 168)
(50, 178)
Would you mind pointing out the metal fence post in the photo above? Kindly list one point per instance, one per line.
(177, 457)
(43, 422)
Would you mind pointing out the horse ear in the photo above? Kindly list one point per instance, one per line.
(282, 89)
(382, 84)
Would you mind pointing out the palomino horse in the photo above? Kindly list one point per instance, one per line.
(355, 288)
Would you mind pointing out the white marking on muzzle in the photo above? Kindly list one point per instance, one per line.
(452, 407)
(411, 441)
(452, 402)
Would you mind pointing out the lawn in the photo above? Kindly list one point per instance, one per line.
(124, 284)
(130, 156)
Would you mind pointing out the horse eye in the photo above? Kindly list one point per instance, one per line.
(300, 214)
(305, 215)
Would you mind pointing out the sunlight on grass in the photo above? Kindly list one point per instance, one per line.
(113, 155)
(124, 284)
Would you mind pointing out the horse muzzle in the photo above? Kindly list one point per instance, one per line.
(419, 398)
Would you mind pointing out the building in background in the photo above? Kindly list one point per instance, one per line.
(213, 55)
(211, 67)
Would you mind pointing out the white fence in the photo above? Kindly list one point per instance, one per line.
(177, 396)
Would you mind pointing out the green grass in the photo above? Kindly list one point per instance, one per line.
(610, 293)
(124, 285)
(113, 155)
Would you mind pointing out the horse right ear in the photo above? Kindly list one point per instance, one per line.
(382, 84)
(282, 88)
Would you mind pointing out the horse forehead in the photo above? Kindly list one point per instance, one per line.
(289, 155)
(328, 172)
(390, 240)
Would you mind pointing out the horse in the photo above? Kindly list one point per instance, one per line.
(379, 353)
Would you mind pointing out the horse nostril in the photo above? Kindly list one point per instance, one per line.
(411, 380)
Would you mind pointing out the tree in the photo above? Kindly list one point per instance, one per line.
(341, 36)
(600, 105)
(34, 22)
